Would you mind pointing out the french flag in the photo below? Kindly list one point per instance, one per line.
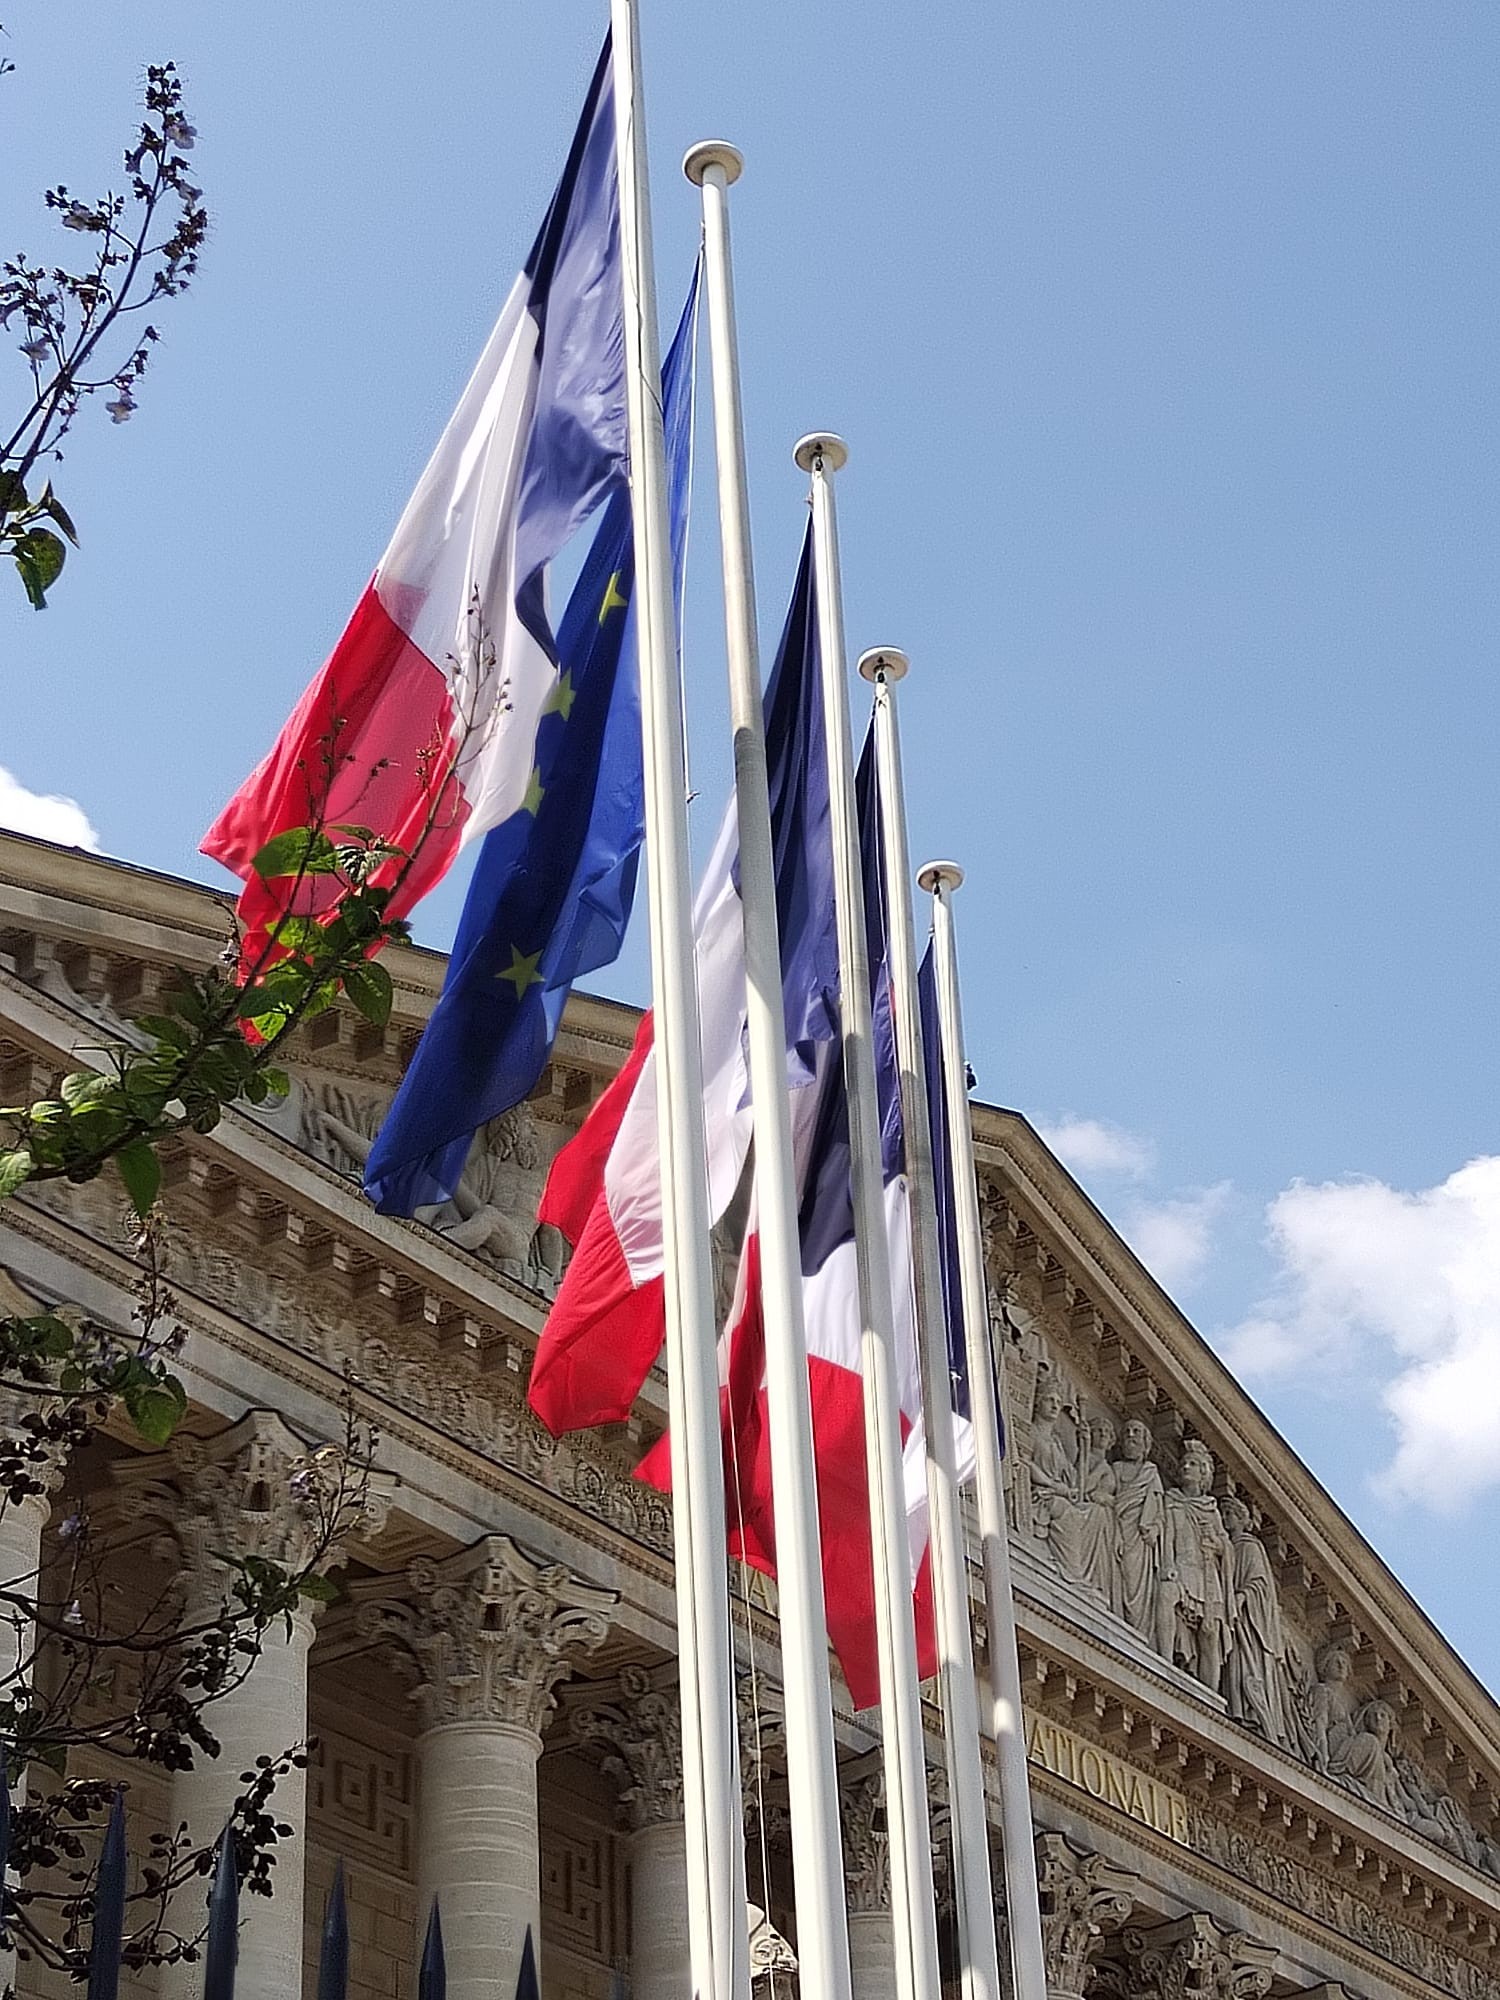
(422, 724)
(834, 1321)
(606, 1327)
(604, 1191)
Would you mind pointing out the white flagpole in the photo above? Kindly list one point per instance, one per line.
(812, 1772)
(1028, 1961)
(718, 1933)
(913, 1902)
(978, 1950)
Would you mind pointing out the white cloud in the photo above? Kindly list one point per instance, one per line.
(1093, 1146)
(1173, 1238)
(45, 814)
(1407, 1288)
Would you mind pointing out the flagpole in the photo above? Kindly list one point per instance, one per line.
(1028, 1959)
(978, 1951)
(812, 1772)
(718, 1936)
(904, 1756)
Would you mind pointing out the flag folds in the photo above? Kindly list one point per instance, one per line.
(604, 1191)
(833, 1312)
(553, 885)
(607, 1325)
(422, 725)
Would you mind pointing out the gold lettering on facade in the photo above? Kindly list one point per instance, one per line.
(1107, 1778)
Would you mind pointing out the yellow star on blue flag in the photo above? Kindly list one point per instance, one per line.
(561, 700)
(522, 971)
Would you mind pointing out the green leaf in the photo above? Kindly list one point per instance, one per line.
(282, 987)
(13, 499)
(53, 508)
(14, 1169)
(54, 1336)
(140, 1170)
(321, 1589)
(164, 1028)
(276, 1081)
(298, 933)
(156, 1408)
(39, 556)
(300, 850)
(84, 1086)
(369, 986)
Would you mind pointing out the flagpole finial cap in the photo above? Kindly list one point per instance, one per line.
(935, 875)
(713, 153)
(884, 663)
(821, 447)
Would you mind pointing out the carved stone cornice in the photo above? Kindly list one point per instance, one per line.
(1199, 1959)
(867, 1846)
(255, 1489)
(489, 1632)
(639, 1725)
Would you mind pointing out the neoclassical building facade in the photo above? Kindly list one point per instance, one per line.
(1257, 1769)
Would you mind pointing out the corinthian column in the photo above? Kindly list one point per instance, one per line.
(254, 1490)
(491, 1632)
(867, 1876)
(1199, 1959)
(640, 1728)
(1082, 1898)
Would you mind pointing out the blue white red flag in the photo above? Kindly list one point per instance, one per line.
(604, 1192)
(942, 1182)
(422, 725)
(553, 885)
(834, 1322)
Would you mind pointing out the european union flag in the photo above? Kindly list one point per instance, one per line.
(553, 885)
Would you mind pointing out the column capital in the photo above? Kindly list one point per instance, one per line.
(639, 1723)
(490, 1632)
(1082, 1897)
(1197, 1958)
(254, 1489)
(867, 1846)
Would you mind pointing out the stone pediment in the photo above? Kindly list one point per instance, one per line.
(1153, 1508)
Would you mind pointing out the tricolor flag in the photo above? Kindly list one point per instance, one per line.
(604, 1192)
(553, 886)
(607, 1325)
(947, 1206)
(422, 725)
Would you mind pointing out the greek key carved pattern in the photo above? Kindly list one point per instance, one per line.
(363, 1796)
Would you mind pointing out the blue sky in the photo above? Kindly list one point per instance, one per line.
(1163, 339)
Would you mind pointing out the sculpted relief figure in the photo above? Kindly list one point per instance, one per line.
(1193, 1588)
(1328, 1708)
(1433, 1812)
(1256, 1672)
(1364, 1760)
(1140, 1518)
(1100, 1537)
(493, 1205)
(1057, 1510)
